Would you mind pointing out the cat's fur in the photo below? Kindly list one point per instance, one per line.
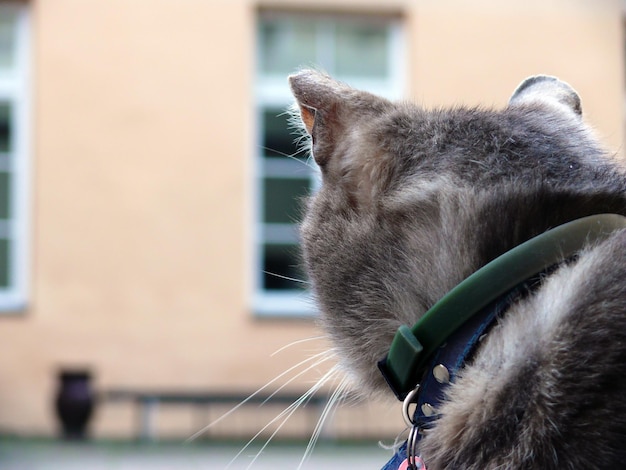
(412, 202)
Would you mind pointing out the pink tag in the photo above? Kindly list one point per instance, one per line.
(418, 462)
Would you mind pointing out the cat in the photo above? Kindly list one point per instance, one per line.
(412, 202)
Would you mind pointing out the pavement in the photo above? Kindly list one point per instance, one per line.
(31, 454)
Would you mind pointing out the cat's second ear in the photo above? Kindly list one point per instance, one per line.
(548, 90)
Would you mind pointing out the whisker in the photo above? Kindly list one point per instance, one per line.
(325, 356)
(299, 341)
(290, 156)
(197, 434)
(285, 415)
(286, 277)
(330, 407)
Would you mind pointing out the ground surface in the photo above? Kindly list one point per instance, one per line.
(27, 454)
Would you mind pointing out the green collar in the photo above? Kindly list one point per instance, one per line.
(412, 347)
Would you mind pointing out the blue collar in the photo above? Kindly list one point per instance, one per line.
(445, 364)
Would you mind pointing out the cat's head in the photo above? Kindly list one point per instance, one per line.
(413, 201)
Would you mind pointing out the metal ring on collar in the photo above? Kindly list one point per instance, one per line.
(408, 401)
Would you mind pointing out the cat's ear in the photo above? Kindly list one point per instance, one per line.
(341, 123)
(314, 91)
(323, 103)
(548, 90)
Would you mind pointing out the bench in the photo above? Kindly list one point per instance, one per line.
(148, 401)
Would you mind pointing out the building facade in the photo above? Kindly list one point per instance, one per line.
(147, 182)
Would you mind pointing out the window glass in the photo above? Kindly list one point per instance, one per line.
(283, 197)
(287, 45)
(361, 50)
(5, 260)
(7, 40)
(281, 269)
(278, 136)
(5, 128)
(5, 195)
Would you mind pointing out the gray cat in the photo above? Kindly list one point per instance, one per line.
(415, 201)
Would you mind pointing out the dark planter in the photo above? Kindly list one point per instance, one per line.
(74, 403)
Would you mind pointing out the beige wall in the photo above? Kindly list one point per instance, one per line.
(477, 52)
(141, 227)
(142, 168)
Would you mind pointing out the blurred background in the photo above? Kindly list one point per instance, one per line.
(149, 191)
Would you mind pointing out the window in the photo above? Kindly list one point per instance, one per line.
(363, 51)
(13, 154)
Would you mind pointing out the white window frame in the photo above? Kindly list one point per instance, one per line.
(15, 89)
(272, 91)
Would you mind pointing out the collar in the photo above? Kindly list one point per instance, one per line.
(412, 348)
(441, 371)
(446, 337)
